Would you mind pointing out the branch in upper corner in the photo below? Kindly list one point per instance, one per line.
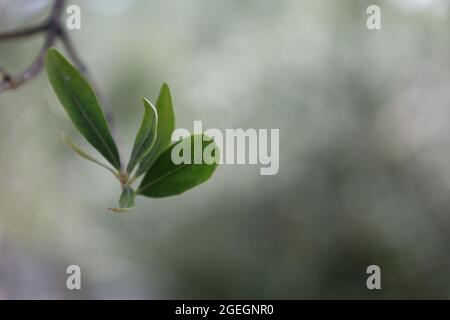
(24, 32)
(12, 82)
(52, 28)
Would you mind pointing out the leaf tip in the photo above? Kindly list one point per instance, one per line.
(149, 105)
(165, 89)
(51, 53)
(146, 101)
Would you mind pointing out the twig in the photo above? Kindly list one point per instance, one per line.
(24, 32)
(12, 82)
(52, 29)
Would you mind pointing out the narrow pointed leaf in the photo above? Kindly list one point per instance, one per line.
(166, 125)
(126, 201)
(84, 154)
(145, 137)
(80, 102)
(166, 178)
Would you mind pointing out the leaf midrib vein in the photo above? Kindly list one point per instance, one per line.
(138, 149)
(162, 177)
(79, 104)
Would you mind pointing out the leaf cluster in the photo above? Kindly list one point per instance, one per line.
(151, 153)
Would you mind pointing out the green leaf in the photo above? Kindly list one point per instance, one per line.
(145, 137)
(83, 154)
(166, 178)
(126, 201)
(166, 125)
(80, 102)
(127, 198)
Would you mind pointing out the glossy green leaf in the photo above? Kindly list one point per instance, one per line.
(80, 102)
(84, 154)
(166, 178)
(145, 137)
(126, 201)
(166, 125)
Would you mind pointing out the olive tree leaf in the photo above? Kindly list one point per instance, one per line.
(126, 200)
(81, 104)
(167, 178)
(84, 154)
(166, 125)
(145, 137)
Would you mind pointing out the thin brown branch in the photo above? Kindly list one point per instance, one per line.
(30, 31)
(52, 29)
(12, 82)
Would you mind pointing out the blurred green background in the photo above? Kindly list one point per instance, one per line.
(364, 119)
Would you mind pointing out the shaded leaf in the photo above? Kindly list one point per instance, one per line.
(145, 137)
(166, 125)
(126, 201)
(80, 102)
(166, 178)
(127, 198)
(84, 154)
